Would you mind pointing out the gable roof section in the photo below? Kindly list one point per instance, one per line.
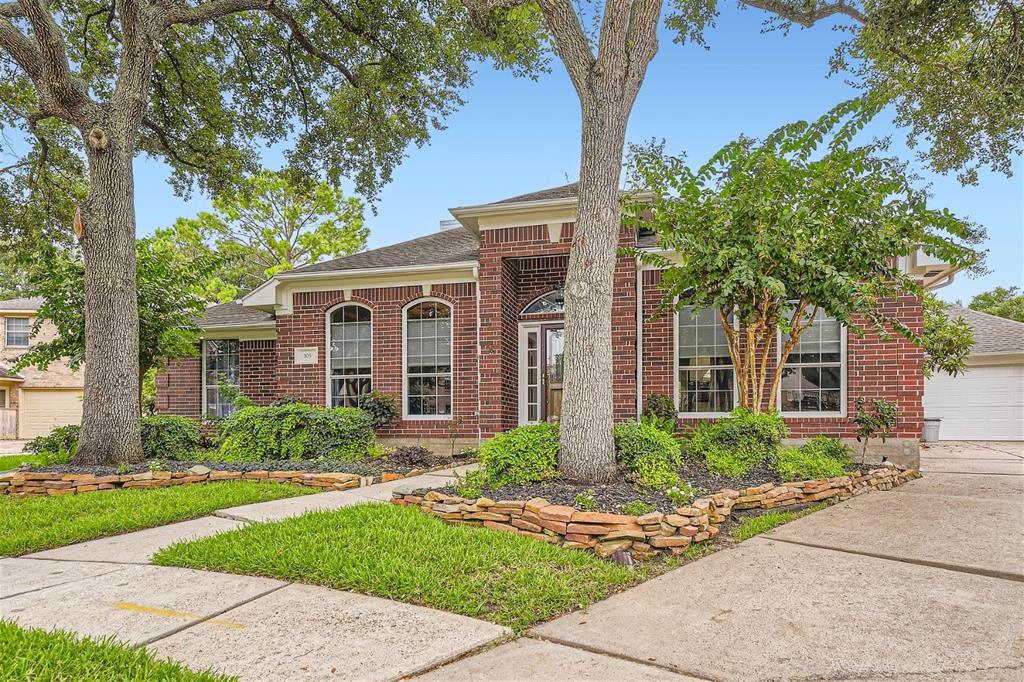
(992, 334)
(439, 248)
(28, 304)
(233, 313)
(561, 192)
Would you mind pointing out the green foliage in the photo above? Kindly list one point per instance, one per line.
(381, 407)
(8, 462)
(148, 399)
(167, 284)
(169, 437)
(682, 494)
(471, 485)
(831, 448)
(523, 455)
(32, 524)
(947, 341)
(876, 419)
(233, 394)
(403, 554)
(736, 444)
(802, 464)
(1005, 302)
(762, 523)
(660, 411)
(41, 655)
(585, 501)
(58, 446)
(295, 431)
(636, 508)
(651, 454)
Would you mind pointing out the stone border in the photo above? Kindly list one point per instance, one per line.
(33, 483)
(644, 536)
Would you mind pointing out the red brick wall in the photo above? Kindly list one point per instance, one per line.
(257, 370)
(875, 368)
(179, 388)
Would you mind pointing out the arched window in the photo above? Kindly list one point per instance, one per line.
(551, 302)
(350, 365)
(428, 359)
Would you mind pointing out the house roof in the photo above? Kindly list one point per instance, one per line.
(439, 248)
(234, 313)
(9, 374)
(992, 334)
(28, 304)
(561, 192)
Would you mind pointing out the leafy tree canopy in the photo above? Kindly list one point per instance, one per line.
(274, 222)
(169, 305)
(947, 340)
(1005, 302)
(779, 229)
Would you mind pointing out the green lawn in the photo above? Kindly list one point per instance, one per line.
(755, 525)
(403, 554)
(8, 462)
(30, 524)
(42, 656)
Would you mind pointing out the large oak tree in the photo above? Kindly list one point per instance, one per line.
(200, 84)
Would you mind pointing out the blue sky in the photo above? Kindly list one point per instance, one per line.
(515, 135)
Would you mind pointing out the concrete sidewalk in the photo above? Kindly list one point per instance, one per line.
(922, 583)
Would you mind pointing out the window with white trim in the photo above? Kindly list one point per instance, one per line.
(17, 331)
(428, 359)
(220, 365)
(551, 302)
(812, 380)
(707, 379)
(350, 354)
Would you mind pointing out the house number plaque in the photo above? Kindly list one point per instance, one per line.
(306, 356)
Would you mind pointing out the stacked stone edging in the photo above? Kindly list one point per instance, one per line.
(29, 483)
(647, 535)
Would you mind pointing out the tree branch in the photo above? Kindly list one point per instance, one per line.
(806, 13)
(165, 143)
(570, 41)
(641, 42)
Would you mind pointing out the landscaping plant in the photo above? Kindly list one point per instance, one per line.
(736, 444)
(651, 454)
(527, 454)
(56, 447)
(170, 437)
(636, 508)
(876, 419)
(585, 501)
(660, 411)
(802, 464)
(296, 431)
(380, 406)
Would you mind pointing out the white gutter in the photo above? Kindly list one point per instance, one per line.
(639, 340)
(479, 356)
(330, 274)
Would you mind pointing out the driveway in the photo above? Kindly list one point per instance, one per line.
(925, 582)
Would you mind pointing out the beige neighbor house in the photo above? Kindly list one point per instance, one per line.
(32, 402)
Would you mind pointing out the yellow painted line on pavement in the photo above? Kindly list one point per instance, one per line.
(171, 613)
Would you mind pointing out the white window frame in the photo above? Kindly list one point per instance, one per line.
(4, 397)
(7, 333)
(405, 362)
(844, 364)
(677, 387)
(548, 312)
(327, 347)
(204, 405)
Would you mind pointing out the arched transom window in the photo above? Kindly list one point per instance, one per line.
(551, 302)
(428, 359)
(350, 367)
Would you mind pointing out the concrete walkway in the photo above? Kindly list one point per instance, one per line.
(257, 628)
(925, 583)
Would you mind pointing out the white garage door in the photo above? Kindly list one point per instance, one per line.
(43, 409)
(986, 403)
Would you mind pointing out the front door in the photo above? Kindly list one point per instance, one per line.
(553, 348)
(540, 356)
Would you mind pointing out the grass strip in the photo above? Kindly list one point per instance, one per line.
(31, 524)
(403, 554)
(42, 656)
(8, 462)
(755, 525)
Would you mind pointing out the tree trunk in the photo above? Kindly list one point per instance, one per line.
(110, 414)
(587, 447)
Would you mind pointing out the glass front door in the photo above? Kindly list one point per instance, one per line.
(553, 351)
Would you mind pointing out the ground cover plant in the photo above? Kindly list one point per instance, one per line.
(8, 462)
(38, 655)
(31, 524)
(736, 444)
(401, 553)
(762, 523)
(296, 431)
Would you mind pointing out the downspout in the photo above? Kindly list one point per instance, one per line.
(639, 340)
(479, 358)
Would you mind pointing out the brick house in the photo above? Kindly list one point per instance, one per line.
(32, 401)
(464, 328)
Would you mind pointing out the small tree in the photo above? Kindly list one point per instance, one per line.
(276, 220)
(771, 233)
(1005, 302)
(876, 420)
(947, 341)
(168, 306)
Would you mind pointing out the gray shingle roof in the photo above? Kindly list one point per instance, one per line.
(560, 192)
(8, 374)
(991, 334)
(439, 248)
(27, 304)
(233, 312)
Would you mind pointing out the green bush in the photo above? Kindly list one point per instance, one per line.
(820, 457)
(636, 508)
(832, 448)
(736, 444)
(524, 455)
(169, 437)
(56, 447)
(380, 406)
(650, 453)
(296, 431)
(585, 501)
(660, 411)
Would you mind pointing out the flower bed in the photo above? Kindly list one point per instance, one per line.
(646, 535)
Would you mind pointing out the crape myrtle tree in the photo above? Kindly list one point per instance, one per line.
(274, 221)
(952, 71)
(770, 233)
(947, 339)
(199, 85)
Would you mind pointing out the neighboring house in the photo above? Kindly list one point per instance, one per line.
(987, 401)
(468, 323)
(32, 402)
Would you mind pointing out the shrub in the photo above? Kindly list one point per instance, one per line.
(56, 447)
(380, 406)
(169, 437)
(681, 495)
(296, 431)
(650, 453)
(736, 444)
(798, 464)
(832, 448)
(585, 501)
(636, 508)
(660, 411)
(523, 455)
(471, 485)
